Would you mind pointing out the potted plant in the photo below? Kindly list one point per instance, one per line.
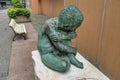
(17, 12)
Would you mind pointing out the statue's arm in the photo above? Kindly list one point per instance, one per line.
(41, 34)
(70, 35)
(42, 31)
(65, 48)
(57, 44)
(63, 36)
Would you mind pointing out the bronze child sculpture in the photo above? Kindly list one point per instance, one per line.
(54, 40)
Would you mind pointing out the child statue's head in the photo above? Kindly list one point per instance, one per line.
(70, 18)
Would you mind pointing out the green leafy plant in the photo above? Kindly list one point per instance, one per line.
(16, 3)
(13, 12)
(17, 10)
(26, 12)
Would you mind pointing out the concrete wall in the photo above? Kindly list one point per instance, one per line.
(99, 35)
(36, 6)
(69, 2)
(88, 33)
(51, 8)
(110, 46)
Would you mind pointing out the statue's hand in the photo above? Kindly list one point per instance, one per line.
(73, 50)
(55, 37)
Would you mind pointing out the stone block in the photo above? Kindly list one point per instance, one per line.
(89, 72)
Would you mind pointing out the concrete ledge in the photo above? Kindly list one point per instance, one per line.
(88, 73)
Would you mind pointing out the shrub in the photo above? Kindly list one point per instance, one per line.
(13, 12)
(26, 12)
(16, 4)
(17, 10)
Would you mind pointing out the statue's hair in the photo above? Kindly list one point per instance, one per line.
(70, 16)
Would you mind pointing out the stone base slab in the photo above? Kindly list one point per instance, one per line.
(22, 19)
(89, 72)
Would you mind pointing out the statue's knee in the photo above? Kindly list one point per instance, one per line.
(65, 66)
(58, 64)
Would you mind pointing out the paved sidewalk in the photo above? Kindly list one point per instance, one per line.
(38, 20)
(21, 63)
(6, 36)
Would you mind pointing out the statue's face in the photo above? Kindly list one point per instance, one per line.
(70, 18)
(67, 27)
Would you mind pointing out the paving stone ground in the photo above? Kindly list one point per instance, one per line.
(38, 20)
(21, 63)
(6, 36)
(15, 57)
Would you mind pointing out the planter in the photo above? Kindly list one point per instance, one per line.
(22, 19)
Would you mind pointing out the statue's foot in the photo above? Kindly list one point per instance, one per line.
(75, 62)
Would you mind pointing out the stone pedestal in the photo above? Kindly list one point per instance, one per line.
(88, 73)
(22, 19)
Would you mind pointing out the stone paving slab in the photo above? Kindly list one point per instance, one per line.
(21, 63)
(6, 35)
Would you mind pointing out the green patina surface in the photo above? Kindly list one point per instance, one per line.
(54, 40)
